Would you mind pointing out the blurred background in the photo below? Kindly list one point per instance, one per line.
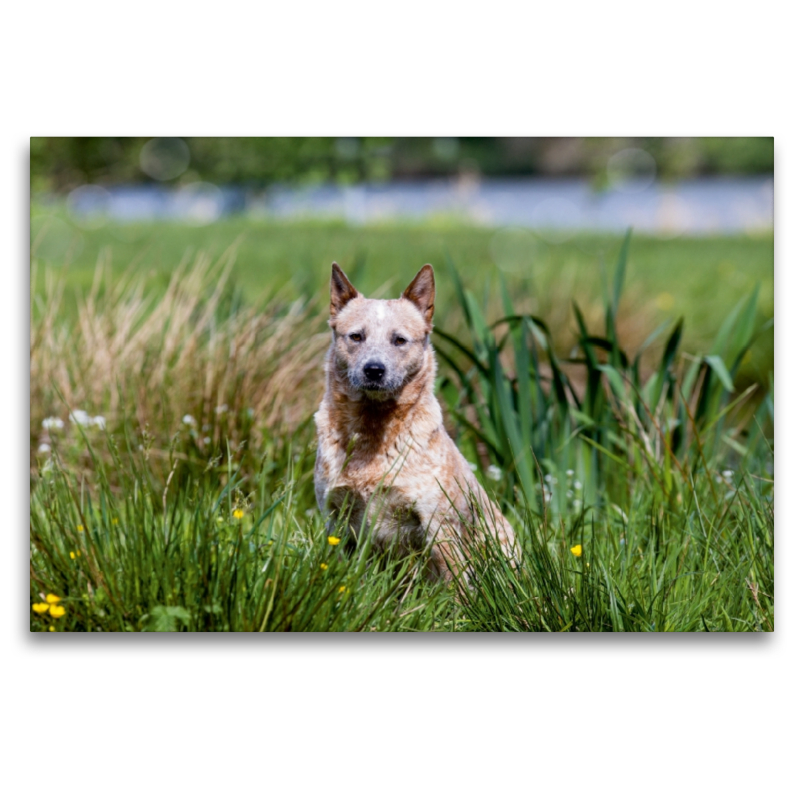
(544, 215)
(665, 185)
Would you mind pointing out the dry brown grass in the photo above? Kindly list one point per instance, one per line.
(156, 357)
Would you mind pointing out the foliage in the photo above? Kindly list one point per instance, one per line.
(62, 163)
(601, 418)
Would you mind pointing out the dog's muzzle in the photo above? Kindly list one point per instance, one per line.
(374, 372)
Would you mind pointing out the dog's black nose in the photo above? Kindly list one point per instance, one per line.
(373, 371)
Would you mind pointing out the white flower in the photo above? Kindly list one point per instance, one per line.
(576, 504)
(207, 440)
(494, 472)
(44, 447)
(188, 419)
(728, 473)
(100, 422)
(550, 479)
(80, 417)
(52, 422)
(309, 512)
(578, 485)
(570, 473)
(221, 409)
(473, 467)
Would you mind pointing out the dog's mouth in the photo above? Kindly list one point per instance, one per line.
(377, 391)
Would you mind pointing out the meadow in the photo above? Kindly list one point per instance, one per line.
(613, 393)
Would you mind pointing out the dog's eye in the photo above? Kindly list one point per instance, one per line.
(399, 340)
(356, 337)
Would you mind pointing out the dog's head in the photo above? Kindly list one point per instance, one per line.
(380, 345)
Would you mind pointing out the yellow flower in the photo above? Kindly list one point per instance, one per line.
(114, 521)
(71, 554)
(334, 540)
(238, 513)
(52, 599)
(40, 608)
(576, 551)
(57, 611)
(341, 589)
(323, 566)
(51, 629)
(80, 528)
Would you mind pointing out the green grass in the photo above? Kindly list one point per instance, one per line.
(654, 456)
(181, 560)
(196, 558)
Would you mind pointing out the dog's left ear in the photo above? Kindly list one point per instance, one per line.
(421, 292)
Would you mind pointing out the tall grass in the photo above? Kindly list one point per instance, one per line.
(640, 487)
(596, 414)
(199, 362)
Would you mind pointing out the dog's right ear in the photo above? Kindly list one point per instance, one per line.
(421, 292)
(342, 291)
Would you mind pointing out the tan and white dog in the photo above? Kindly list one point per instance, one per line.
(384, 458)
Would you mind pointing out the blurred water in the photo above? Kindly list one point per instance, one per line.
(705, 205)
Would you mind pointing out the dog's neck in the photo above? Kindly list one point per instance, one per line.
(353, 415)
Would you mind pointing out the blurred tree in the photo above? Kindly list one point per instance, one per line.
(60, 164)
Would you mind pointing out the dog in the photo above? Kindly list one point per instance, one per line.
(384, 459)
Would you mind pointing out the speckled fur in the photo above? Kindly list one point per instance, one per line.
(383, 450)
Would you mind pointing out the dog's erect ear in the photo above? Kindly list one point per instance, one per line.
(421, 292)
(342, 291)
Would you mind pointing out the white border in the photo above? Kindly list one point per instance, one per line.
(357, 717)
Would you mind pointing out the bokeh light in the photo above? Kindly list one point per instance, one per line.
(164, 158)
(631, 170)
